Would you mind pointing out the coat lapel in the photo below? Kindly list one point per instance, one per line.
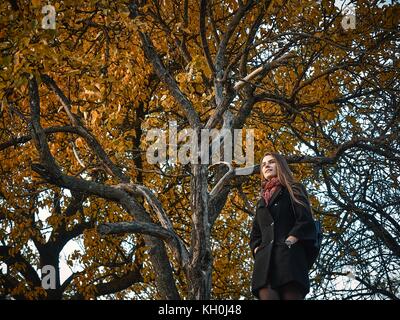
(261, 203)
(264, 216)
(275, 195)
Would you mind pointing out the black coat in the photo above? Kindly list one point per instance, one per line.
(275, 262)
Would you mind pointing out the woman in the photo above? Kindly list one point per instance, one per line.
(283, 228)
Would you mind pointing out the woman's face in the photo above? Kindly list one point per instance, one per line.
(268, 167)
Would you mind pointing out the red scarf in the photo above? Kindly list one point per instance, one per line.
(269, 188)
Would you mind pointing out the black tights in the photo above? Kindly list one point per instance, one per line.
(289, 291)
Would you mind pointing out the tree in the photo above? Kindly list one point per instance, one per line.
(82, 98)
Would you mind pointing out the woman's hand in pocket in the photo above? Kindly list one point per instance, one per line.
(291, 240)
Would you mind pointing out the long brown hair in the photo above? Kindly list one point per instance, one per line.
(285, 177)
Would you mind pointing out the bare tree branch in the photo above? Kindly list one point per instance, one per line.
(263, 69)
(166, 77)
(202, 17)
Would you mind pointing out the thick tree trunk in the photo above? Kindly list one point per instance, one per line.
(49, 256)
(199, 272)
(164, 279)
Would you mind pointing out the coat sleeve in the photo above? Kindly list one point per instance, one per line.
(304, 227)
(255, 235)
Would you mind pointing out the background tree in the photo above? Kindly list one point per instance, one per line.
(78, 101)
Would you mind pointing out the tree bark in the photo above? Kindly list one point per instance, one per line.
(199, 273)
